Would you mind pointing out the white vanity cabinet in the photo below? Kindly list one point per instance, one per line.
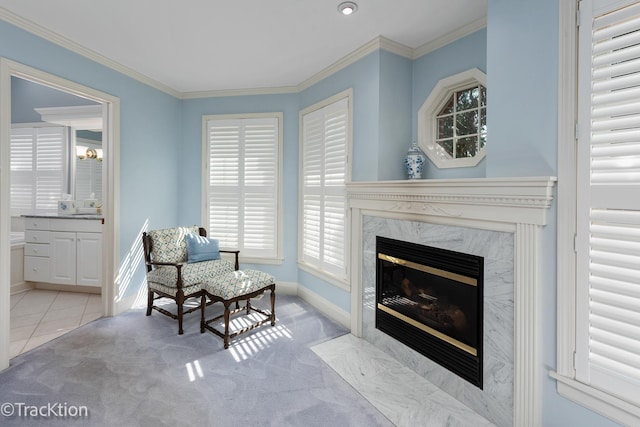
(63, 251)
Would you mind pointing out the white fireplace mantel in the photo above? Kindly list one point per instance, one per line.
(518, 205)
(505, 200)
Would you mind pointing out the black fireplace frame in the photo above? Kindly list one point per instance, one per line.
(458, 361)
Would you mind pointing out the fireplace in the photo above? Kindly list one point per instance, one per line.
(431, 300)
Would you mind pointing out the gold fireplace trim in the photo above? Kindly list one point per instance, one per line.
(425, 328)
(436, 271)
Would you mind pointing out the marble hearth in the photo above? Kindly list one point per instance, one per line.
(498, 219)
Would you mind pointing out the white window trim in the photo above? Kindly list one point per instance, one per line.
(279, 258)
(340, 282)
(567, 386)
(431, 107)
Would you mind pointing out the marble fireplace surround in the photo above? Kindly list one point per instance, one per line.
(481, 215)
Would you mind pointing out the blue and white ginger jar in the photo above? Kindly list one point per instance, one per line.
(414, 162)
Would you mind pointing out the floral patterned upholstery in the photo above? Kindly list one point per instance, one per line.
(238, 283)
(169, 244)
(192, 274)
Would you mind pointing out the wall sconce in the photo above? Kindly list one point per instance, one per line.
(83, 152)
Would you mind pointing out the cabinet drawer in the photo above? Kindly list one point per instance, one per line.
(76, 224)
(31, 223)
(36, 269)
(36, 249)
(36, 236)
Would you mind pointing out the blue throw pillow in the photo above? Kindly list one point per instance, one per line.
(200, 248)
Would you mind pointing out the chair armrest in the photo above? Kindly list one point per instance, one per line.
(237, 263)
(177, 265)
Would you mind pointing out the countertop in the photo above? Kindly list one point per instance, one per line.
(66, 216)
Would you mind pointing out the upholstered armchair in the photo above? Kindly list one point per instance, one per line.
(178, 274)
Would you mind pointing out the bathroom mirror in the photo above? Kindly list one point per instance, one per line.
(85, 147)
(88, 165)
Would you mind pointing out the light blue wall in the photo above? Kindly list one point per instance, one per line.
(394, 129)
(522, 57)
(461, 55)
(150, 124)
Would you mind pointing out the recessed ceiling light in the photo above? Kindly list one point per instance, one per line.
(347, 7)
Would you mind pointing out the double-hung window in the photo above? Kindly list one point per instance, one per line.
(599, 302)
(242, 183)
(325, 135)
(38, 164)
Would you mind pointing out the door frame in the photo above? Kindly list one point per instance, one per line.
(111, 187)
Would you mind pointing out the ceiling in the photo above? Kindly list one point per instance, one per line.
(211, 45)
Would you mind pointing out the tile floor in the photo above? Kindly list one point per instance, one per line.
(38, 316)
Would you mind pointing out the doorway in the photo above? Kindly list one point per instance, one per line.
(109, 186)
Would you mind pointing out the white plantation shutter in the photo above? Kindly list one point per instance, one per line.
(38, 168)
(243, 184)
(608, 240)
(324, 172)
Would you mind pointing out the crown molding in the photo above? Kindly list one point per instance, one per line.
(239, 92)
(457, 34)
(378, 43)
(68, 44)
(372, 46)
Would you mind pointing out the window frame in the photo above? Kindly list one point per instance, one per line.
(341, 281)
(277, 258)
(565, 373)
(430, 109)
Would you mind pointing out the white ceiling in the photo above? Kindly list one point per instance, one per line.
(209, 45)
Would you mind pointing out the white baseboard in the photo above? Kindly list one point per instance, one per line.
(68, 288)
(286, 288)
(17, 288)
(325, 306)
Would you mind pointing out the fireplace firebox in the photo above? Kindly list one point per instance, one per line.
(431, 300)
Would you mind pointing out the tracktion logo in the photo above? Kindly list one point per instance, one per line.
(49, 410)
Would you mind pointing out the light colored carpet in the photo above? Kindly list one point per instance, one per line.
(134, 370)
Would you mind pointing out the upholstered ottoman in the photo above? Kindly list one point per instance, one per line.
(234, 287)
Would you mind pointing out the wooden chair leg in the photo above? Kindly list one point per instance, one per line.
(149, 301)
(180, 303)
(203, 305)
(226, 326)
(273, 307)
